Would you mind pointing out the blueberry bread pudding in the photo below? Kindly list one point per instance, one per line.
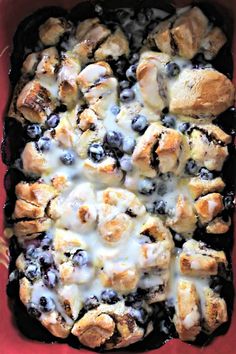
(118, 212)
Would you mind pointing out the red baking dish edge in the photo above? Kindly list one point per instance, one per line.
(11, 341)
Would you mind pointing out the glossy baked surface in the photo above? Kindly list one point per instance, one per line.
(120, 176)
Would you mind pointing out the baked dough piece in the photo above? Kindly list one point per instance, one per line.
(200, 93)
(155, 255)
(47, 67)
(199, 186)
(188, 31)
(34, 161)
(105, 172)
(31, 228)
(184, 220)
(208, 207)
(88, 137)
(187, 318)
(206, 151)
(67, 79)
(198, 260)
(69, 296)
(89, 34)
(36, 193)
(152, 81)
(218, 226)
(114, 222)
(35, 102)
(120, 276)
(97, 327)
(156, 282)
(114, 47)
(30, 64)
(155, 228)
(187, 34)
(99, 88)
(52, 30)
(159, 144)
(78, 210)
(215, 311)
(213, 42)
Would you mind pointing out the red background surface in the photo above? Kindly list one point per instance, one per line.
(11, 341)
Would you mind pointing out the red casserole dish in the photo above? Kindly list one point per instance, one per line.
(11, 13)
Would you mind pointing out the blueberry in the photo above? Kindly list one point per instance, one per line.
(109, 296)
(191, 167)
(46, 242)
(50, 278)
(32, 272)
(215, 283)
(172, 69)
(80, 258)
(98, 9)
(68, 158)
(30, 252)
(114, 139)
(33, 311)
(141, 316)
(96, 152)
(162, 189)
(44, 144)
(131, 298)
(159, 207)
(115, 110)
(184, 127)
(229, 201)
(166, 176)
(46, 259)
(126, 163)
(46, 304)
(206, 174)
(169, 121)
(127, 95)
(139, 123)
(131, 73)
(34, 131)
(134, 58)
(53, 121)
(146, 186)
(91, 303)
(124, 84)
(128, 144)
(120, 66)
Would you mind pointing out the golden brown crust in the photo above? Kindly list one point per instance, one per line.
(114, 46)
(24, 209)
(124, 279)
(213, 42)
(155, 255)
(25, 290)
(187, 318)
(143, 151)
(155, 228)
(208, 207)
(56, 324)
(31, 227)
(184, 221)
(201, 93)
(116, 229)
(36, 193)
(161, 36)
(199, 186)
(151, 79)
(34, 102)
(218, 226)
(206, 152)
(197, 265)
(98, 326)
(215, 311)
(188, 31)
(51, 30)
(48, 64)
(106, 171)
(34, 162)
(30, 63)
(67, 80)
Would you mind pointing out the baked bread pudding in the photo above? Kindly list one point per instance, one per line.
(121, 194)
